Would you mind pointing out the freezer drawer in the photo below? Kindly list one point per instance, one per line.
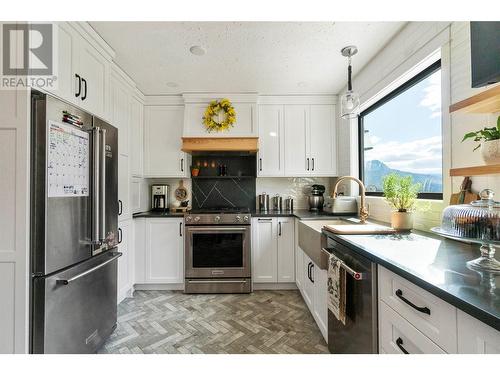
(74, 311)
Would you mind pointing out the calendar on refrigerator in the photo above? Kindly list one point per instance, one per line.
(67, 161)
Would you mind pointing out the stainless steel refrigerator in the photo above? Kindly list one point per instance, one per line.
(74, 228)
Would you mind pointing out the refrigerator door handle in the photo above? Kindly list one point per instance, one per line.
(102, 192)
(85, 273)
(95, 187)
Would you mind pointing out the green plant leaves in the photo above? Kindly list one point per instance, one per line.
(486, 134)
(400, 191)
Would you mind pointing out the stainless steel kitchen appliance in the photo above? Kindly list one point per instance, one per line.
(217, 252)
(359, 334)
(159, 197)
(74, 228)
(316, 199)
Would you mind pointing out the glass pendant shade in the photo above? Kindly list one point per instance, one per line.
(349, 105)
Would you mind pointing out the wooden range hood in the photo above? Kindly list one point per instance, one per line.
(209, 144)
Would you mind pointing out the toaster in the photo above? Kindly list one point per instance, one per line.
(341, 205)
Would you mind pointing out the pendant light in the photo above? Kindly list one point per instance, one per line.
(349, 102)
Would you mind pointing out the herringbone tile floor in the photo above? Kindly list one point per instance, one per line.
(173, 322)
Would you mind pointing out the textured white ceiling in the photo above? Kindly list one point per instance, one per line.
(263, 57)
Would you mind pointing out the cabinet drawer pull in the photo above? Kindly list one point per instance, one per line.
(307, 163)
(265, 219)
(279, 229)
(120, 207)
(182, 164)
(399, 343)
(260, 164)
(120, 235)
(312, 273)
(180, 229)
(424, 310)
(313, 164)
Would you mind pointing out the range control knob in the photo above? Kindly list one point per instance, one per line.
(197, 218)
(217, 219)
(188, 219)
(238, 219)
(246, 218)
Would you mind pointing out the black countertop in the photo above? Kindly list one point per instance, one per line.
(437, 265)
(158, 214)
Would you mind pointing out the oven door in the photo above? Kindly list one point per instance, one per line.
(217, 251)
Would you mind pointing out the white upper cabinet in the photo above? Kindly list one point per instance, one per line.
(120, 112)
(93, 70)
(310, 147)
(136, 137)
(296, 140)
(322, 148)
(163, 141)
(68, 41)
(270, 162)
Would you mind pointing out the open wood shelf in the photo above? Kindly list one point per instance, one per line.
(485, 102)
(476, 171)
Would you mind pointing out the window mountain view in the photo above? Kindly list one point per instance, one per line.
(375, 170)
(403, 135)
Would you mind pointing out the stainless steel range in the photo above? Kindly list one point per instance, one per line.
(217, 258)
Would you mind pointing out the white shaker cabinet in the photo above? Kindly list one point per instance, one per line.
(93, 70)
(136, 137)
(163, 129)
(475, 337)
(264, 250)
(126, 261)
(124, 212)
(296, 140)
(322, 149)
(286, 247)
(164, 251)
(310, 146)
(120, 112)
(270, 158)
(273, 244)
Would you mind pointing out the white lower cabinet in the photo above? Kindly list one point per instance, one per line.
(164, 251)
(312, 284)
(273, 243)
(475, 337)
(126, 261)
(398, 336)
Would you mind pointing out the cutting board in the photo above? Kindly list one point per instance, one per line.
(469, 197)
(360, 229)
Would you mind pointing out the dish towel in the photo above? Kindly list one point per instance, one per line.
(336, 288)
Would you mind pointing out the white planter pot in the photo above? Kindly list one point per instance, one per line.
(402, 220)
(490, 151)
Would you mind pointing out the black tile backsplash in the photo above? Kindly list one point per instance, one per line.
(210, 193)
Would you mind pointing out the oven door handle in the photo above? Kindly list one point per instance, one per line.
(217, 229)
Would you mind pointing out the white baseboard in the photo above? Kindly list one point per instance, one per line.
(159, 286)
(274, 286)
(124, 293)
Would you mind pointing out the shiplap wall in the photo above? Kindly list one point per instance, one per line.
(413, 44)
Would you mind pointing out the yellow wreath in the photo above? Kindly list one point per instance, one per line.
(213, 110)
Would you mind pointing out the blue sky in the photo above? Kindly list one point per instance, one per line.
(406, 132)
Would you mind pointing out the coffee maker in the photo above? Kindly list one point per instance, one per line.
(159, 197)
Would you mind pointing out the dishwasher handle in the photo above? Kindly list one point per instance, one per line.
(355, 274)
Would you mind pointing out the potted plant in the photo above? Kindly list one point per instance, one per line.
(490, 143)
(401, 193)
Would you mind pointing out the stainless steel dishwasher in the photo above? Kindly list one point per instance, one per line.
(359, 334)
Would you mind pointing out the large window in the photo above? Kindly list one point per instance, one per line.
(402, 133)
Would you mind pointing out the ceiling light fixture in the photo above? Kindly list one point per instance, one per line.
(349, 102)
(197, 50)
